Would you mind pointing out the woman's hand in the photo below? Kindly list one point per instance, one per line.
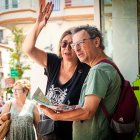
(29, 43)
(5, 116)
(44, 14)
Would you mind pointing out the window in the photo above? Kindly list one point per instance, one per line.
(79, 2)
(56, 5)
(14, 3)
(6, 4)
(106, 25)
(1, 35)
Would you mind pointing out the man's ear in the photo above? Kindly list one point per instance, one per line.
(97, 42)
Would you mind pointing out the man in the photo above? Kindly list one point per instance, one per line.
(101, 84)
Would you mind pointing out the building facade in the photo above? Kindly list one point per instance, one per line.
(117, 19)
(66, 14)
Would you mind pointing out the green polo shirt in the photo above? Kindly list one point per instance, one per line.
(103, 81)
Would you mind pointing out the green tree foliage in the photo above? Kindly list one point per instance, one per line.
(17, 57)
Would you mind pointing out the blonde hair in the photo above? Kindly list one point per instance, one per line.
(24, 83)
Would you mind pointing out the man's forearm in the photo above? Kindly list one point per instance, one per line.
(78, 114)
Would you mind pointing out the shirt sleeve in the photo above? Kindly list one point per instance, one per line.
(97, 82)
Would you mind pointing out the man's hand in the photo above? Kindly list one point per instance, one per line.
(48, 112)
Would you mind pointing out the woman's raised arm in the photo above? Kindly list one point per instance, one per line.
(29, 48)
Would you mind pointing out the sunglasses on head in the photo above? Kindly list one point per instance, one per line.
(65, 44)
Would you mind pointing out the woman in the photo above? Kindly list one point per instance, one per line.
(1, 103)
(24, 113)
(65, 73)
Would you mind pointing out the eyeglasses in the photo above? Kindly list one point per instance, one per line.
(17, 90)
(79, 43)
(64, 44)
